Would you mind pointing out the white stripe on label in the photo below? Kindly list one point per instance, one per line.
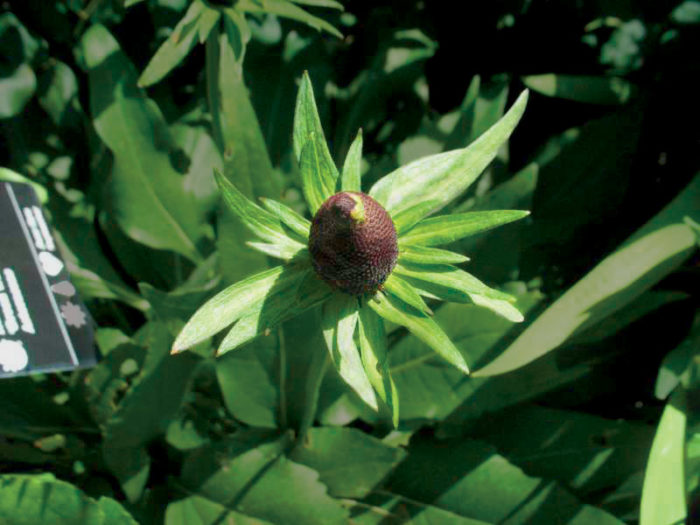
(45, 233)
(10, 320)
(18, 299)
(45, 282)
(34, 229)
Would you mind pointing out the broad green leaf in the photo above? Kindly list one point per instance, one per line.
(445, 176)
(677, 367)
(308, 292)
(381, 506)
(289, 217)
(231, 304)
(587, 453)
(409, 217)
(424, 328)
(340, 316)
(663, 495)
(687, 12)
(404, 291)
(426, 255)
(316, 173)
(60, 98)
(198, 510)
(250, 480)
(589, 89)
(250, 384)
(289, 10)
(12, 176)
(147, 194)
(176, 46)
(445, 229)
(373, 348)
(29, 499)
(319, 174)
(350, 463)
(351, 177)
(259, 221)
(469, 478)
(453, 284)
(650, 254)
(17, 90)
(145, 410)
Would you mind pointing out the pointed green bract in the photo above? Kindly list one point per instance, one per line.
(289, 217)
(423, 327)
(373, 348)
(452, 284)
(339, 323)
(409, 217)
(314, 168)
(445, 176)
(425, 255)
(319, 174)
(287, 9)
(352, 168)
(286, 251)
(231, 304)
(261, 222)
(445, 229)
(303, 293)
(404, 291)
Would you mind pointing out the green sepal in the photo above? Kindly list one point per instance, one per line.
(339, 322)
(404, 291)
(423, 327)
(452, 284)
(288, 216)
(426, 255)
(409, 217)
(445, 229)
(352, 168)
(373, 348)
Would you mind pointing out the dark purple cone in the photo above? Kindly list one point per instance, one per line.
(351, 250)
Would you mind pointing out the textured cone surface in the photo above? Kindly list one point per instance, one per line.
(353, 243)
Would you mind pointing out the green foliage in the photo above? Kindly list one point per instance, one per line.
(181, 148)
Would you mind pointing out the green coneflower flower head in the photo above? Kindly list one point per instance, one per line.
(364, 258)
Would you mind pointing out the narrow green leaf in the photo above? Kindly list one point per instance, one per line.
(373, 348)
(404, 291)
(581, 88)
(445, 176)
(425, 255)
(146, 192)
(314, 172)
(285, 251)
(321, 3)
(646, 257)
(259, 221)
(231, 304)
(300, 295)
(424, 328)
(288, 216)
(409, 217)
(287, 10)
(445, 229)
(339, 323)
(663, 495)
(176, 46)
(206, 23)
(12, 176)
(351, 178)
(321, 174)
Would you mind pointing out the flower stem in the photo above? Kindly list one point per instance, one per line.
(314, 379)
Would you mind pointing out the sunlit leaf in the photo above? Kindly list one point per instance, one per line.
(445, 229)
(404, 291)
(409, 217)
(589, 89)
(339, 324)
(423, 327)
(350, 180)
(289, 217)
(445, 176)
(426, 255)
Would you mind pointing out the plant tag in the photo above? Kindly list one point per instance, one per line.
(44, 326)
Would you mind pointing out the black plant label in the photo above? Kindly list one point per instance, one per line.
(44, 326)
